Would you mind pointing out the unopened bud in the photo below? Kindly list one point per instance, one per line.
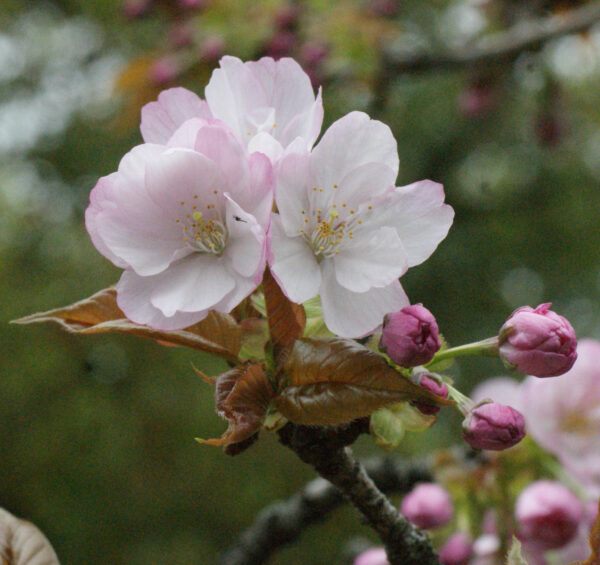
(213, 48)
(410, 336)
(548, 514)
(435, 386)
(427, 506)
(457, 550)
(164, 71)
(538, 342)
(493, 426)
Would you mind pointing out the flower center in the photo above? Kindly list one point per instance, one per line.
(328, 233)
(204, 233)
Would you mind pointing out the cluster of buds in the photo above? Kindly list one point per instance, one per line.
(536, 341)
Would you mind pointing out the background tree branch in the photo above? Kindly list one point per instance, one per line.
(284, 521)
(325, 449)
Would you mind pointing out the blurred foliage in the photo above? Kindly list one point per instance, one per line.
(97, 440)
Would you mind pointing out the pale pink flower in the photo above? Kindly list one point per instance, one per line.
(346, 232)
(504, 390)
(270, 105)
(188, 224)
(563, 415)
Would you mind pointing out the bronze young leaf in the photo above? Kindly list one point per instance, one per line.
(218, 333)
(334, 381)
(242, 396)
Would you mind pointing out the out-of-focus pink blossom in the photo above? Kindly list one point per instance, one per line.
(187, 222)
(281, 44)
(457, 550)
(493, 426)
(548, 514)
(212, 48)
(136, 8)
(410, 336)
(164, 71)
(428, 506)
(538, 342)
(503, 390)
(287, 16)
(373, 556)
(432, 384)
(563, 415)
(347, 244)
(193, 4)
(181, 34)
(313, 52)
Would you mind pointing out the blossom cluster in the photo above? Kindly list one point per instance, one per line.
(222, 187)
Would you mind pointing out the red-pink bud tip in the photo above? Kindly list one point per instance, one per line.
(433, 385)
(457, 550)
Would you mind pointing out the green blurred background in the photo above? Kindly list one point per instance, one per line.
(97, 433)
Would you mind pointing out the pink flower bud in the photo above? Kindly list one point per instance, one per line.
(287, 17)
(192, 4)
(213, 48)
(428, 505)
(493, 426)
(181, 35)
(538, 342)
(431, 384)
(281, 44)
(163, 71)
(136, 8)
(457, 550)
(410, 336)
(312, 53)
(548, 514)
(373, 556)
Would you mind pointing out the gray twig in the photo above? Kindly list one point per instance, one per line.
(284, 521)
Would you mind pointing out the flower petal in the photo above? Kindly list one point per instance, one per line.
(174, 106)
(133, 297)
(419, 214)
(127, 220)
(293, 264)
(350, 142)
(373, 261)
(357, 314)
(246, 245)
(293, 175)
(193, 284)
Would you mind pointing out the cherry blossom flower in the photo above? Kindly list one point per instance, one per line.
(563, 415)
(345, 231)
(187, 222)
(270, 105)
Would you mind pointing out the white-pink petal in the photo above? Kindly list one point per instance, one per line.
(357, 314)
(133, 297)
(350, 142)
(375, 260)
(193, 284)
(246, 241)
(293, 264)
(174, 106)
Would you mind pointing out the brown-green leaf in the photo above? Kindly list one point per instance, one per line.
(333, 381)
(218, 333)
(286, 319)
(242, 397)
